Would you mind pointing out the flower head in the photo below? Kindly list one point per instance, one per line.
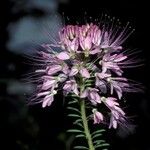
(90, 65)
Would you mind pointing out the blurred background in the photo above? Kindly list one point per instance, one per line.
(24, 23)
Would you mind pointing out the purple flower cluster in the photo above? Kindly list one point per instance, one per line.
(88, 55)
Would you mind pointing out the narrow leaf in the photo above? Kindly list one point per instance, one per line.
(80, 135)
(96, 135)
(98, 131)
(101, 145)
(98, 141)
(72, 102)
(80, 147)
(74, 109)
(74, 131)
(74, 115)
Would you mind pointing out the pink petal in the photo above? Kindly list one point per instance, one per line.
(47, 100)
(97, 50)
(84, 72)
(87, 42)
(53, 69)
(63, 56)
(73, 71)
(48, 84)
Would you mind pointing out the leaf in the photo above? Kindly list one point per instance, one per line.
(74, 131)
(79, 124)
(74, 109)
(72, 102)
(73, 95)
(98, 131)
(80, 135)
(77, 121)
(80, 147)
(88, 84)
(88, 81)
(96, 135)
(74, 115)
(101, 145)
(98, 141)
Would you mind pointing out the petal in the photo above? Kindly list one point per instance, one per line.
(42, 94)
(67, 87)
(63, 56)
(47, 100)
(73, 71)
(48, 84)
(88, 42)
(74, 44)
(95, 51)
(53, 69)
(84, 72)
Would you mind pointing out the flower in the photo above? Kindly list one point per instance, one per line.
(117, 114)
(81, 69)
(48, 97)
(112, 62)
(89, 65)
(119, 84)
(97, 116)
(92, 95)
(109, 41)
(71, 86)
(49, 82)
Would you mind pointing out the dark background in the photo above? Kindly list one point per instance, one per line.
(25, 127)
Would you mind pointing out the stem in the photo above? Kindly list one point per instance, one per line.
(85, 125)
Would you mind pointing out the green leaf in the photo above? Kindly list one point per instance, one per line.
(77, 121)
(96, 135)
(74, 131)
(74, 115)
(101, 145)
(74, 109)
(98, 141)
(73, 95)
(88, 81)
(80, 147)
(80, 135)
(88, 84)
(79, 124)
(72, 102)
(98, 131)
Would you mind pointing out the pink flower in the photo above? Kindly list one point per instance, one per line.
(71, 86)
(79, 69)
(92, 95)
(112, 63)
(117, 114)
(117, 117)
(109, 41)
(97, 116)
(90, 60)
(85, 37)
(49, 82)
(100, 83)
(96, 35)
(119, 84)
(48, 99)
(53, 69)
(69, 37)
(69, 42)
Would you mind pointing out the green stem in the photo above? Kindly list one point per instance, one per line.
(85, 125)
